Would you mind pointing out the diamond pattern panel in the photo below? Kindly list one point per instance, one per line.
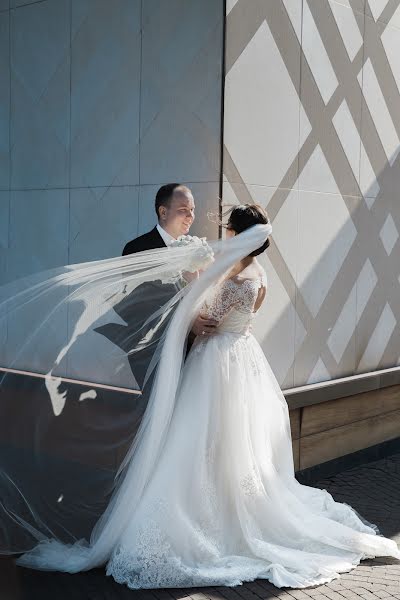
(333, 195)
(389, 234)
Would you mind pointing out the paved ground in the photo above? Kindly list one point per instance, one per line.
(372, 489)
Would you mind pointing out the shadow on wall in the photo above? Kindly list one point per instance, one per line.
(345, 311)
(312, 129)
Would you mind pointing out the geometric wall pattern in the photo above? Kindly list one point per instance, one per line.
(101, 102)
(312, 131)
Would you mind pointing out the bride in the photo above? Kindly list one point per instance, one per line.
(206, 493)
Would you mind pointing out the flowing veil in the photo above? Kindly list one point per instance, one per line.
(91, 359)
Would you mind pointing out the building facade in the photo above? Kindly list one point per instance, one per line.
(294, 104)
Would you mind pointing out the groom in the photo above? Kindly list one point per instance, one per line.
(174, 206)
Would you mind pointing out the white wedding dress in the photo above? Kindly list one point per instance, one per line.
(206, 492)
(222, 505)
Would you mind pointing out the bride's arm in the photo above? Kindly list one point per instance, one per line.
(223, 300)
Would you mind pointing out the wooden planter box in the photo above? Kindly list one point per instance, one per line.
(333, 419)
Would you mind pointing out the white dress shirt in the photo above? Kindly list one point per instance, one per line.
(168, 239)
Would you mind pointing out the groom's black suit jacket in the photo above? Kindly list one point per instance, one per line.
(136, 307)
(148, 241)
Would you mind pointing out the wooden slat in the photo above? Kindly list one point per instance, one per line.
(324, 391)
(330, 444)
(335, 413)
(295, 423)
(296, 454)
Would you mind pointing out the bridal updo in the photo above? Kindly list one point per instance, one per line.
(246, 215)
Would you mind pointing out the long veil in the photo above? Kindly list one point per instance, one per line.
(91, 358)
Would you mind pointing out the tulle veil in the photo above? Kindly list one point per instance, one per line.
(91, 358)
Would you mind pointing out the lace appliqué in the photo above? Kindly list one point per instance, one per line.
(152, 565)
(251, 484)
(255, 365)
(238, 350)
(209, 532)
(231, 294)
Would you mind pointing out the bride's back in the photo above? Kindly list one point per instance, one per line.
(237, 299)
(253, 273)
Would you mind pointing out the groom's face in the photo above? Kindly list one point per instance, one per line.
(177, 218)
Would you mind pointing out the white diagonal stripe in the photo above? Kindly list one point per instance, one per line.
(379, 111)
(344, 327)
(368, 182)
(351, 142)
(294, 8)
(391, 42)
(389, 234)
(319, 373)
(352, 311)
(349, 136)
(317, 56)
(229, 5)
(348, 28)
(378, 341)
(377, 7)
(366, 283)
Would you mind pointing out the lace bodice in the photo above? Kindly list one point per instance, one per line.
(232, 304)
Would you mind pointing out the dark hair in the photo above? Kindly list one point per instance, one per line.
(165, 194)
(246, 215)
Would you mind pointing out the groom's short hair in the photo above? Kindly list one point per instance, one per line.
(166, 192)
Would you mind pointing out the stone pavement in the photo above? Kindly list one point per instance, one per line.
(372, 489)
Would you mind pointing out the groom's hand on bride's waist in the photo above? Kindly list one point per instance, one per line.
(203, 326)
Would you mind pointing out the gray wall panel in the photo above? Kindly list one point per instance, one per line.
(107, 103)
(38, 237)
(105, 92)
(180, 107)
(4, 232)
(40, 35)
(4, 101)
(102, 220)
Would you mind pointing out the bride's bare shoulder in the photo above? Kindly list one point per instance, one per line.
(263, 277)
(253, 272)
(262, 290)
(259, 272)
